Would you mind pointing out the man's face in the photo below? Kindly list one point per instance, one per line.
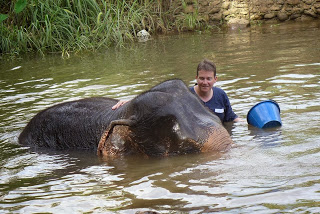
(206, 80)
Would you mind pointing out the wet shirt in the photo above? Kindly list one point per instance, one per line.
(219, 104)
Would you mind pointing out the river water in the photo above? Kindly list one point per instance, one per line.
(269, 171)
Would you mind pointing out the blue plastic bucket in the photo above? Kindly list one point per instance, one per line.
(265, 114)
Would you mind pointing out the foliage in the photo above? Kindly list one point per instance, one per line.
(188, 21)
(20, 5)
(66, 26)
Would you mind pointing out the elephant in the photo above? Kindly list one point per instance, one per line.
(166, 120)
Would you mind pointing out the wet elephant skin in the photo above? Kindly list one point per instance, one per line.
(163, 121)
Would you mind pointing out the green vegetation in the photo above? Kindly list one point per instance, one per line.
(64, 26)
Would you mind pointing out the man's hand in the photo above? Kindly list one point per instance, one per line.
(120, 103)
(239, 120)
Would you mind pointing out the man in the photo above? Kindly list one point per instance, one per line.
(214, 98)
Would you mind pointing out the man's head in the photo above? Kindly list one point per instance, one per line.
(207, 65)
(206, 75)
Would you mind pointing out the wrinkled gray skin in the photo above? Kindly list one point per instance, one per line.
(166, 120)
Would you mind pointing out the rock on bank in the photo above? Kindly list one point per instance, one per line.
(242, 12)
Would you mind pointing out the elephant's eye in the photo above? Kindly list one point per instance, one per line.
(176, 127)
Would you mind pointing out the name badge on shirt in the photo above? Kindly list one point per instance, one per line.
(219, 110)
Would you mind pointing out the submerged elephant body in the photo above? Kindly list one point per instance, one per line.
(163, 121)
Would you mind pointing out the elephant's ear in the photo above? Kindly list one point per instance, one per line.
(116, 139)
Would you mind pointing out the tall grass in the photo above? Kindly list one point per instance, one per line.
(66, 26)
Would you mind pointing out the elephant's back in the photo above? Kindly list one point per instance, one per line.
(74, 124)
(89, 104)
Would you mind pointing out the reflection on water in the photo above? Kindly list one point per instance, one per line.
(268, 171)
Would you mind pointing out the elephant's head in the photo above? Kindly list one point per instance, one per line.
(166, 120)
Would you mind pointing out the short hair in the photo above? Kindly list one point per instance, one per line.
(207, 65)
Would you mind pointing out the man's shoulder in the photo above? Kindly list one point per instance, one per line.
(219, 91)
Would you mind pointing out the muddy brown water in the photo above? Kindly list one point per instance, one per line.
(269, 171)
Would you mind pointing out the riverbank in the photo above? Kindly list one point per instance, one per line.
(246, 12)
(66, 27)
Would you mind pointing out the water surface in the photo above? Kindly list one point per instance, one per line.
(269, 171)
